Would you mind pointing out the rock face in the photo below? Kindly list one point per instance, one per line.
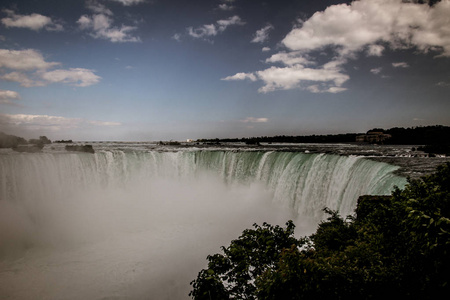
(80, 148)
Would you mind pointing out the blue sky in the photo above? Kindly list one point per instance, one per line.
(149, 70)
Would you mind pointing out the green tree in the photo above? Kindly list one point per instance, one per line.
(394, 246)
(232, 275)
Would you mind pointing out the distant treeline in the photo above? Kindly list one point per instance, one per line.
(437, 136)
(12, 141)
(426, 135)
(330, 138)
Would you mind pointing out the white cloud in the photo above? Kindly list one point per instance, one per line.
(375, 50)
(226, 7)
(22, 78)
(29, 68)
(39, 121)
(202, 31)
(329, 76)
(320, 89)
(274, 78)
(6, 96)
(84, 22)
(74, 76)
(366, 22)
(120, 34)
(177, 37)
(234, 20)
(50, 123)
(33, 21)
(210, 30)
(364, 26)
(400, 65)
(129, 2)
(265, 49)
(338, 25)
(289, 58)
(24, 60)
(98, 8)
(262, 35)
(101, 27)
(255, 120)
(241, 76)
(376, 70)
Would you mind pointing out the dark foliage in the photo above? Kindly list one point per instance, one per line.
(11, 141)
(394, 246)
(232, 275)
(43, 140)
(427, 135)
(436, 149)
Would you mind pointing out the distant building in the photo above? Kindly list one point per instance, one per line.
(373, 137)
(189, 140)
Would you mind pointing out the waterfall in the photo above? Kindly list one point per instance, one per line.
(129, 224)
(305, 183)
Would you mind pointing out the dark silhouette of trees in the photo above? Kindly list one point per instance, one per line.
(426, 135)
(11, 141)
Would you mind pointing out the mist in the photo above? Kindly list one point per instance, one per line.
(146, 240)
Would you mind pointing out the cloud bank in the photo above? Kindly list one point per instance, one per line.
(347, 30)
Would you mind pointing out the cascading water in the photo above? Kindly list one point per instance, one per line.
(139, 224)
